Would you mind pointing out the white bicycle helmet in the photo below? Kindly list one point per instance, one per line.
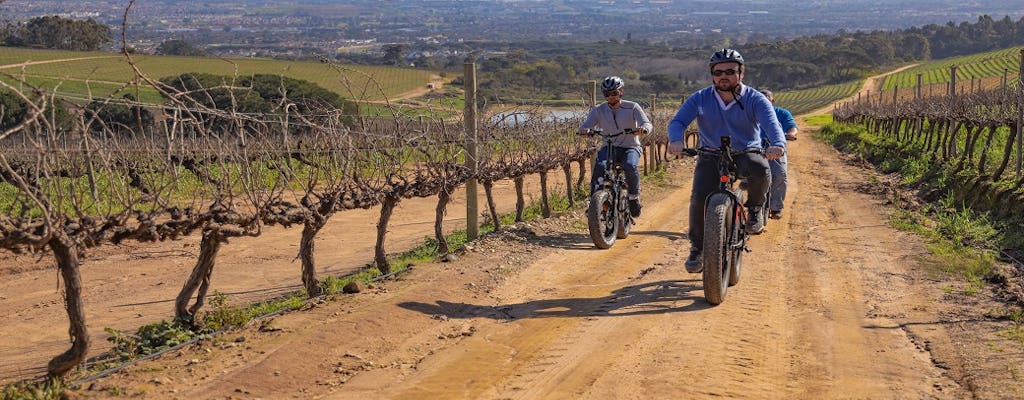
(611, 83)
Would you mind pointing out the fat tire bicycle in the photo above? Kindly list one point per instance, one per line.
(725, 218)
(608, 216)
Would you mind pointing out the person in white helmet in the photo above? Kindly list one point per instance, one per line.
(613, 116)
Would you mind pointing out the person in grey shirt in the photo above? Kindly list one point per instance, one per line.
(613, 116)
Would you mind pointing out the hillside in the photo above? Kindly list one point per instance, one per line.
(97, 74)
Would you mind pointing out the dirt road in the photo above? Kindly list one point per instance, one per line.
(833, 304)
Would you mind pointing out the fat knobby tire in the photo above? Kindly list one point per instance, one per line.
(601, 219)
(716, 248)
(625, 220)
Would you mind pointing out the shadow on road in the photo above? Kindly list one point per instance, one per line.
(581, 241)
(648, 298)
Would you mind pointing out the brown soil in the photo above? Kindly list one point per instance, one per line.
(833, 304)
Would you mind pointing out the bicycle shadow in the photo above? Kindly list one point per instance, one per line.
(644, 299)
(581, 241)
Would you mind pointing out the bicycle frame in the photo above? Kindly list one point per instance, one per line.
(608, 216)
(614, 179)
(727, 179)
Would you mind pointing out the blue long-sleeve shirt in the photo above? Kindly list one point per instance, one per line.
(785, 118)
(743, 119)
(628, 115)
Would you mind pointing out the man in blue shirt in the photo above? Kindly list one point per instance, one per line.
(613, 116)
(779, 166)
(727, 108)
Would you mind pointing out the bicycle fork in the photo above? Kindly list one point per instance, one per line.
(739, 220)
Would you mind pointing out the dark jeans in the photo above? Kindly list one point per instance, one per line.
(752, 167)
(630, 160)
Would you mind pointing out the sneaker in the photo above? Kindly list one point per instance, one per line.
(754, 224)
(775, 214)
(634, 208)
(694, 263)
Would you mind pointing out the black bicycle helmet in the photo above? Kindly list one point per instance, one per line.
(611, 83)
(726, 55)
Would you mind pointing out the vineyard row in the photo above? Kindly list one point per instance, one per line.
(69, 187)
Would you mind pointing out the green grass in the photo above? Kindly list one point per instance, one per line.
(49, 389)
(1016, 329)
(105, 72)
(819, 120)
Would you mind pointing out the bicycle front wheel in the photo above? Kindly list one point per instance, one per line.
(717, 249)
(625, 220)
(601, 219)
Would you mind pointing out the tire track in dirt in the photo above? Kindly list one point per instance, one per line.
(581, 353)
(839, 237)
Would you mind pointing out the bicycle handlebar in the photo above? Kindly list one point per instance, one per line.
(693, 151)
(600, 132)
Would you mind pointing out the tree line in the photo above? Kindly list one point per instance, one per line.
(556, 70)
(54, 32)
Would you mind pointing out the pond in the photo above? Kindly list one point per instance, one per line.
(517, 117)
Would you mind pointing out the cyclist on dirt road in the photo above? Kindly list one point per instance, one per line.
(779, 166)
(613, 116)
(727, 108)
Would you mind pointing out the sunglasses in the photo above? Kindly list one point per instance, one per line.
(720, 72)
(610, 94)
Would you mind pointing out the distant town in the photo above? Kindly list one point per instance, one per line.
(299, 28)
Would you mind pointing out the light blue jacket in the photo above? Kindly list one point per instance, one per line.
(743, 119)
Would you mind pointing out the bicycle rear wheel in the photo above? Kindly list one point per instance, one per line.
(717, 248)
(601, 219)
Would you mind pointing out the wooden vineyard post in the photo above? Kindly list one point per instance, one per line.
(918, 94)
(952, 81)
(472, 208)
(1020, 114)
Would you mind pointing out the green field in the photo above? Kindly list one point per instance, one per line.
(98, 74)
(807, 100)
(992, 65)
